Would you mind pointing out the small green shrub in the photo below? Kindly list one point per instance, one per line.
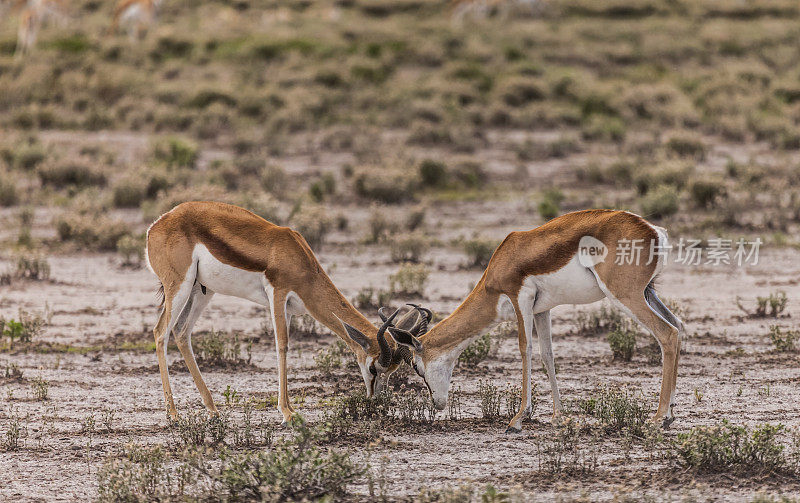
(314, 224)
(470, 174)
(327, 360)
(622, 341)
(477, 351)
(409, 280)
(131, 250)
(433, 174)
(196, 428)
(96, 233)
(618, 411)
(71, 174)
(549, 206)
(490, 398)
(598, 320)
(705, 193)
(783, 341)
(8, 190)
(41, 388)
(273, 178)
(15, 432)
(479, 252)
(130, 192)
(726, 448)
(323, 187)
(686, 146)
(32, 267)
(409, 248)
(674, 174)
(604, 128)
(520, 91)
(175, 153)
(384, 186)
(771, 306)
(29, 156)
(659, 203)
(216, 349)
(27, 327)
(379, 227)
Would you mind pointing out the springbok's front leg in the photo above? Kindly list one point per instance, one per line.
(280, 323)
(542, 323)
(525, 336)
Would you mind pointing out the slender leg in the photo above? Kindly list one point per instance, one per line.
(161, 334)
(277, 301)
(174, 301)
(524, 312)
(183, 337)
(542, 322)
(668, 338)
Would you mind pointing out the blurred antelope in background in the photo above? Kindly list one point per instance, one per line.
(136, 15)
(33, 15)
(572, 259)
(482, 8)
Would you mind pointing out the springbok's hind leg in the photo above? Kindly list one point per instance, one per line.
(183, 338)
(669, 338)
(161, 333)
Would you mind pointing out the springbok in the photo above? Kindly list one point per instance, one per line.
(201, 248)
(572, 259)
(482, 8)
(137, 15)
(32, 16)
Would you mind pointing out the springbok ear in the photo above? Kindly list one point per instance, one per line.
(404, 338)
(357, 336)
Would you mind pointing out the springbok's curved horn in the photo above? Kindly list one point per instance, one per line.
(385, 357)
(425, 317)
(402, 354)
(382, 313)
(423, 310)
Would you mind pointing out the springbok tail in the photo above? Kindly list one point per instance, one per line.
(651, 297)
(160, 296)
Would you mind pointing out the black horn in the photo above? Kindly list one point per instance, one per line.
(425, 317)
(382, 313)
(385, 358)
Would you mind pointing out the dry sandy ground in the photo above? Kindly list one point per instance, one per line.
(93, 302)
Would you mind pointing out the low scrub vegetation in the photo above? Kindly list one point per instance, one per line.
(730, 448)
(294, 469)
(25, 328)
(622, 340)
(770, 306)
(479, 251)
(409, 280)
(783, 340)
(217, 349)
(619, 411)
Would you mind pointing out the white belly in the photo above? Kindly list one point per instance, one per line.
(132, 13)
(229, 280)
(572, 284)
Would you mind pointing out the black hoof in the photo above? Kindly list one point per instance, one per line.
(667, 421)
(512, 429)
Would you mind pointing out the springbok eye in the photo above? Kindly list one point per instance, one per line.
(372, 369)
